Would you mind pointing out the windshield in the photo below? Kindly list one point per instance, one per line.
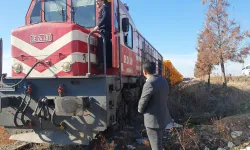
(35, 16)
(55, 10)
(84, 13)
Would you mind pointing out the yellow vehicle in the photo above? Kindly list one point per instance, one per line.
(171, 73)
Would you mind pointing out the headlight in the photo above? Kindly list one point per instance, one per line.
(17, 68)
(67, 67)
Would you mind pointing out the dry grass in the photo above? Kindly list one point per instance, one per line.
(202, 103)
(215, 111)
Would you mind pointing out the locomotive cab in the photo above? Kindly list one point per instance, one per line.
(81, 12)
(56, 32)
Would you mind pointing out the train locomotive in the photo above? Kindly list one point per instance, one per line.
(56, 94)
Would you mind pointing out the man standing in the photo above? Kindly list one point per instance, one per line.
(104, 26)
(153, 104)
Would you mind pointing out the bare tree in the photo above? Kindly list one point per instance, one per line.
(206, 56)
(204, 64)
(225, 36)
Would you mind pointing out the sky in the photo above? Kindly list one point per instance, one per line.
(171, 26)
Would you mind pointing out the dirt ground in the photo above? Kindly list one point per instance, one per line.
(212, 136)
(4, 137)
(222, 132)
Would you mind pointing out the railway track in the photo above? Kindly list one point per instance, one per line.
(19, 145)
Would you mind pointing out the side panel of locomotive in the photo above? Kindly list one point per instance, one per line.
(136, 49)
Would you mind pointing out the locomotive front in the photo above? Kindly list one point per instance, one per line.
(57, 103)
(56, 33)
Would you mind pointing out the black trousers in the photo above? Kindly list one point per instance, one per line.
(107, 35)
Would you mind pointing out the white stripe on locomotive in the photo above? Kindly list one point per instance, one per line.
(55, 69)
(53, 47)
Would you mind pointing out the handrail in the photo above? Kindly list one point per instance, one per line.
(120, 63)
(104, 52)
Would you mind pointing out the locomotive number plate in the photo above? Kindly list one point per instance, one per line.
(6, 89)
(41, 38)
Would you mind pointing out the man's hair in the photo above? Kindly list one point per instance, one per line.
(149, 67)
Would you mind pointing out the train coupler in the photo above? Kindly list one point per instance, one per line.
(42, 111)
(42, 106)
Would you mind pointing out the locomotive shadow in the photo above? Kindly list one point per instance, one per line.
(13, 106)
(78, 127)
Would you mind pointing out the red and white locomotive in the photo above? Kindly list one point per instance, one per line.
(55, 86)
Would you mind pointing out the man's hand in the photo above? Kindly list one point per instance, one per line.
(96, 28)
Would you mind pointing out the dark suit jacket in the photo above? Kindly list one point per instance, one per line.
(153, 103)
(104, 18)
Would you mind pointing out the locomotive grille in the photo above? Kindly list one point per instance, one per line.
(69, 105)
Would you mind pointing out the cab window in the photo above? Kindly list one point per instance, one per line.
(84, 13)
(36, 13)
(116, 15)
(129, 37)
(55, 10)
